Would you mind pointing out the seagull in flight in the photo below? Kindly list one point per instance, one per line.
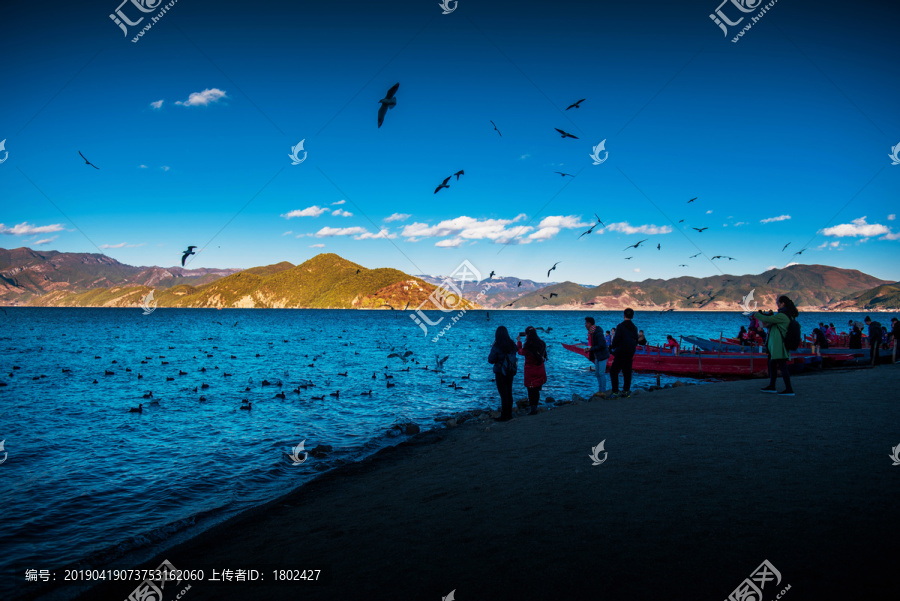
(681, 221)
(700, 229)
(636, 245)
(552, 294)
(800, 252)
(458, 173)
(772, 278)
(785, 247)
(87, 162)
(697, 255)
(684, 265)
(512, 303)
(520, 284)
(187, 253)
(723, 257)
(493, 273)
(443, 185)
(598, 220)
(590, 231)
(564, 174)
(658, 247)
(388, 102)
(693, 199)
(565, 134)
(496, 130)
(628, 258)
(552, 268)
(576, 104)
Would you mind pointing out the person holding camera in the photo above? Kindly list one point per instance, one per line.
(778, 324)
(535, 353)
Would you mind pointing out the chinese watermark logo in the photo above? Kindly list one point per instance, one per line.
(448, 297)
(5, 454)
(449, 597)
(744, 6)
(751, 589)
(144, 6)
(6, 152)
(295, 151)
(601, 147)
(894, 151)
(152, 588)
(447, 10)
(595, 453)
(295, 455)
(895, 456)
(745, 304)
(148, 304)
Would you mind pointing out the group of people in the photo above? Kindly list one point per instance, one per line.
(620, 343)
(878, 337)
(752, 335)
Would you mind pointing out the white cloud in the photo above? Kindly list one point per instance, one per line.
(203, 98)
(891, 236)
(709, 212)
(313, 211)
(774, 219)
(381, 235)
(165, 167)
(26, 229)
(45, 241)
(525, 156)
(891, 217)
(550, 226)
(450, 243)
(122, 245)
(340, 202)
(317, 246)
(857, 228)
(287, 232)
(328, 232)
(157, 105)
(520, 217)
(625, 228)
(397, 217)
(829, 245)
(740, 223)
(468, 228)
(637, 269)
(341, 213)
(142, 167)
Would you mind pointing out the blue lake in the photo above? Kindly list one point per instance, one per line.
(84, 477)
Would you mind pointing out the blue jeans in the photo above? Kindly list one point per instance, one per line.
(600, 366)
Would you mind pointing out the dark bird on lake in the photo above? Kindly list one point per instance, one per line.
(565, 134)
(280, 395)
(87, 162)
(138, 409)
(458, 173)
(148, 395)
(576, 104)
(187, 253)
(247, 407)
(388, 102)
(693, 199)
(785, 247)
(564, 174)
(636, 245)
(552, 268)
(443, 185)
(496, 130)
(700, 229)
(389, 385)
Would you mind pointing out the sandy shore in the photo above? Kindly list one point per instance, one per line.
(700, 486)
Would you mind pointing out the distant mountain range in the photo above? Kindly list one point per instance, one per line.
(34, 278)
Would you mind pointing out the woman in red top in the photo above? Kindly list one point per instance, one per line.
(535, 352)
(672, 344)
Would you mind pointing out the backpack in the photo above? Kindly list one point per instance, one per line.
(793, 336)
(508, 365)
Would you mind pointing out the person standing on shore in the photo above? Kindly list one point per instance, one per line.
(642, 340)
(535, 353)
(598, 351)
(624, 344)
(874, 339)
(855, 339)
(778, 324)
(503, 358)
(895, 334)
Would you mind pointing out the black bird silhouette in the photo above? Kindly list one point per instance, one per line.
(552, 268)
(697, 255)
(771, 278)
(636, 245)
(138, 409)
(87, 162)
(564, 174)
(458, 173)
(693, 199)
(681, 221)
(552, 294)
(357, 272)
(496, 130)
(388, 102)
(785, 247)
(492, 274)
(544, 297)
(799, 252)
(187, 253)
(658, 247)
(520, 284)
(723, 257)
(598, 220)
(443, 185)
(628, 258)
(683, 265)
(700, 229)
(576, 104)
(590, 231)
(565, 134)
(511, 304)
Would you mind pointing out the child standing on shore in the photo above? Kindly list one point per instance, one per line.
(535, 353)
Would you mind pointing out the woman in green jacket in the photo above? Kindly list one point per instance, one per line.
(777, 324)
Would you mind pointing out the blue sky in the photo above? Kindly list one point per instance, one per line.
(795, 119)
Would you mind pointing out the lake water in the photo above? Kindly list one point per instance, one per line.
(84, 480)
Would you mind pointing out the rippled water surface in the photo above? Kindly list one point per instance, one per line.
(83, 475)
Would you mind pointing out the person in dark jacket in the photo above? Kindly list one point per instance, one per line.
(855, 341)
(598, 351)
(819, 342)
(503, 358)
(535, 352)
(895, 335)
(623, 346)
(874, 339)
(642, 340)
